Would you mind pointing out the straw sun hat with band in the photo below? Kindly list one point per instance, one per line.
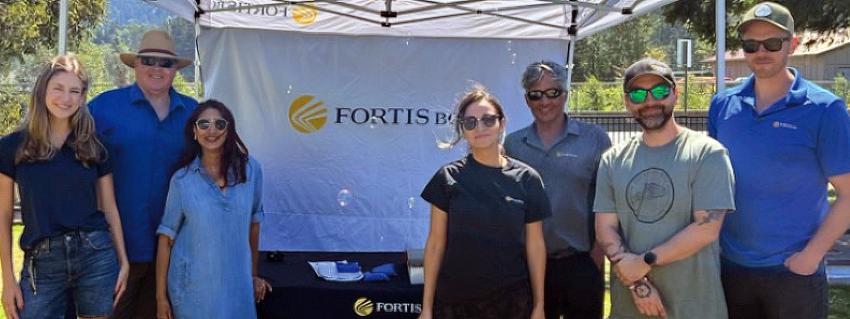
(156, 44)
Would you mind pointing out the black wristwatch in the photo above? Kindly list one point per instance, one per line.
(649, 258)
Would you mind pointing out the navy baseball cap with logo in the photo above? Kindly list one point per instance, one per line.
(770, 12)
(648, 66)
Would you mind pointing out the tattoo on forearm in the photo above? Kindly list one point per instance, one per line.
(712, 215)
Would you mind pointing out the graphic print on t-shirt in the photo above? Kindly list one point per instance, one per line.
(650, 195)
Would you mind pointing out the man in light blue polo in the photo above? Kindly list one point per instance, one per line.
(142, 126)
(566, 153)
(787, 138)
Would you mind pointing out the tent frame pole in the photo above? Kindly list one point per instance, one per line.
(63, 25)
(720, 40)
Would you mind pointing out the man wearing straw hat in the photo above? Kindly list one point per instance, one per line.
(142, 126)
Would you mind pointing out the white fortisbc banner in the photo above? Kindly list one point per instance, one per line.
(347, 128)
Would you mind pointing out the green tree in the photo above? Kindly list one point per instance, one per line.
(605, 54)
(32, 25)
(699, 16)
(183, 33)
(841, 87)
(12, 105)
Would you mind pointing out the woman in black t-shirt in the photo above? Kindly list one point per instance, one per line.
(72, 239)
(485, 256)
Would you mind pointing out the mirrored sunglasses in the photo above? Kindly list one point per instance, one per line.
(659, 92)
(771, 45)
(157, 61)
(469, 123)
(205, 124)
(537, 95)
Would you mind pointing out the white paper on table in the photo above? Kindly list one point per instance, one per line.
(327, 271)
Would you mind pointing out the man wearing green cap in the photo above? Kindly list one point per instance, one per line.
(787, 138)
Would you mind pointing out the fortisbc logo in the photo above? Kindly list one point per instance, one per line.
(305, 14)
(306, 116)
(364, 307)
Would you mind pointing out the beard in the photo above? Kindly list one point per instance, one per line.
(656, 120)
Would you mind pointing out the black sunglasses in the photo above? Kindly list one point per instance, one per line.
(205, 124)
(156, 61)
(771, 45)
(469, 123)
(537, 95)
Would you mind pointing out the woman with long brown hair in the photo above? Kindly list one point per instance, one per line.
(207, 250)
(72, 239)
(485, 256)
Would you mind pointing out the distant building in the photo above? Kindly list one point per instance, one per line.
(819, 57)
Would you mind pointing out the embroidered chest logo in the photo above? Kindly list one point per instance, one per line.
(778, 124)
(565, 154)
(649, 195)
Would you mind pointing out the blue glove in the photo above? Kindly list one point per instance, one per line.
(372, 276)
(387, 269)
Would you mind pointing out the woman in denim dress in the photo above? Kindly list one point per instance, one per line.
(72, 240)
(207, 251)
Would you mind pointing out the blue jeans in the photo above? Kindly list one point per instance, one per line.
(80, 264)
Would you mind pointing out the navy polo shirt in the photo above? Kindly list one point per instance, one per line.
(144, 151)
(782, 158)
(57, 195)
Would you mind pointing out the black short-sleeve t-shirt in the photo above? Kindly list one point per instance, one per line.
(57, 195)
(488, 209)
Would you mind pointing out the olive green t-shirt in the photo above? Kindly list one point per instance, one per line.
(654, 192)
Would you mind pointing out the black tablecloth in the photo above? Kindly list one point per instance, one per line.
(298, 293)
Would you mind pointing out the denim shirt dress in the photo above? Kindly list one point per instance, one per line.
(209, 273)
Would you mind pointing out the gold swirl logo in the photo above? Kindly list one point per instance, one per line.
(363, 307)
(307, 116)
(305, 14)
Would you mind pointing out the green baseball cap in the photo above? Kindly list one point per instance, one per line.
(770, 12)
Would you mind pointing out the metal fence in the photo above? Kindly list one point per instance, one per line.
(622, 126)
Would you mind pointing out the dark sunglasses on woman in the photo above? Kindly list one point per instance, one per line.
(469, 123)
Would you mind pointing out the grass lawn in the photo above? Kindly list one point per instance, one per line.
(17, 256)
(839, 300)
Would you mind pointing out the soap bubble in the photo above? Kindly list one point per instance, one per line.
(344, 197)
(443, 136)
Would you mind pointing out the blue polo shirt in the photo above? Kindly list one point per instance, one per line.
(782, 158)
(568, 168)
(143, 151)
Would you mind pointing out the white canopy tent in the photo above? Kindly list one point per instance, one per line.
(347, 103)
